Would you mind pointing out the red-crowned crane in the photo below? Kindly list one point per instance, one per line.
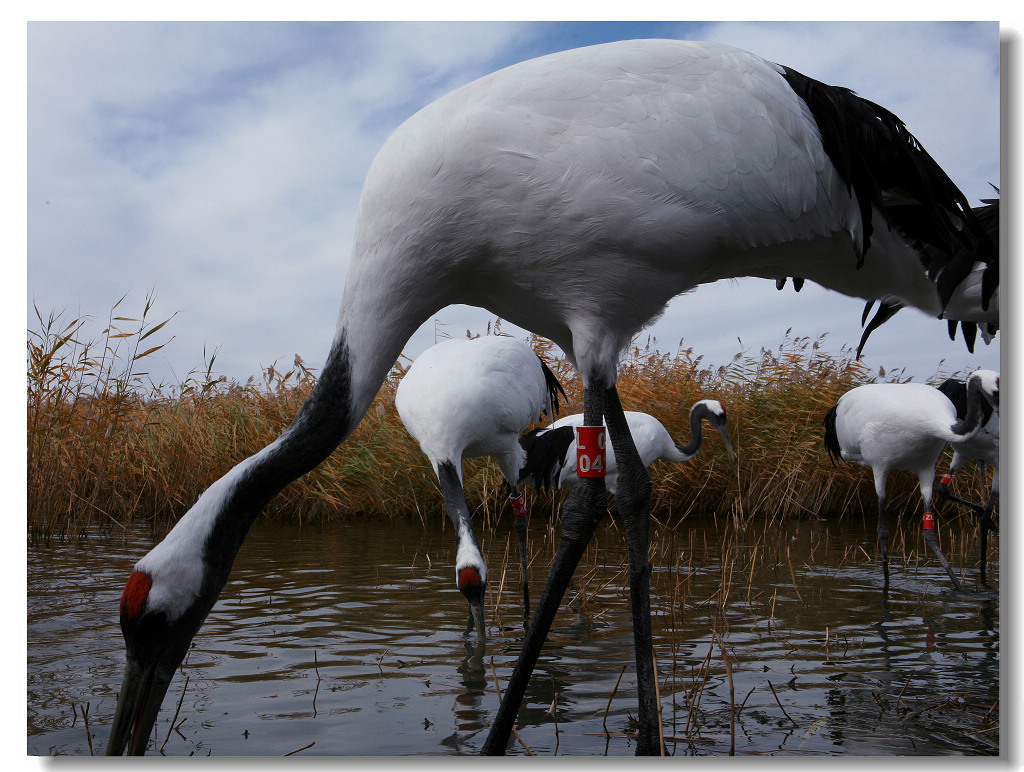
(889, 426)
(551, 451)
(474, 397)
(983, 448)
(574, 195)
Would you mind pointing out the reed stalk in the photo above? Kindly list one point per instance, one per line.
(108, 447)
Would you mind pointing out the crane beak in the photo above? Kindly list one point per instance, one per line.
(728, 442)
(142, 692)
(476, 618)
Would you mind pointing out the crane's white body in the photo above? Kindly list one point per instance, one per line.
(965, 303)
(648, 166)
(889, 426)
(466, 398)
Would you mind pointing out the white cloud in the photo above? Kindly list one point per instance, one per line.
(221, 163)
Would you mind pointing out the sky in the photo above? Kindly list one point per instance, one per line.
(218, 166)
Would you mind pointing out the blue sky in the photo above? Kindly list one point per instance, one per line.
(220, 164)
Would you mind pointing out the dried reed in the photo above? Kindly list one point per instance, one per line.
(107, 446)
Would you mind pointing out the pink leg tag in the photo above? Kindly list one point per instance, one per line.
(590, 451)
(928, 522)
(518, 504)
(947, 478)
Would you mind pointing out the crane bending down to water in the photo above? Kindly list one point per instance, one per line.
(982, 448)
(551, 451)
(466, 398)
(574, 195)
(889, 426)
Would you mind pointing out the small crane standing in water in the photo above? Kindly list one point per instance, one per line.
(889, 426)
(551, 451)
(574, 195)
(474, 397)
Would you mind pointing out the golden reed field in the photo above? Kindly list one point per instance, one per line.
(108, 448)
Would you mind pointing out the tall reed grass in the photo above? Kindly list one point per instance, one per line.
(107, 446)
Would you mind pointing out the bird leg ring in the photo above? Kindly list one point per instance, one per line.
(518, 505)
(590, 451)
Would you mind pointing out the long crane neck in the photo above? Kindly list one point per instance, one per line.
(690, 449)
(323, 422)
(375, 321)
(196, 557)
(974, 418)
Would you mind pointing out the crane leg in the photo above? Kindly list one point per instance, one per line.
(932, 538)
(520, 523)
(633, 499)
(975, 507)
(983, 511)
(987, 525)
(883, 541)
(582, 511)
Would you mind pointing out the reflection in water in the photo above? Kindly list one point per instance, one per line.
(470, 715)
(350, 639)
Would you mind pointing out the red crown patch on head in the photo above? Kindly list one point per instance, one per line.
(135, 593)
(469, 578)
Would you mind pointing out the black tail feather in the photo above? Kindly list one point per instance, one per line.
(554, 387)
(545, 455)
(886, 311)
(874, 153)
(831, 437)
(952, 269)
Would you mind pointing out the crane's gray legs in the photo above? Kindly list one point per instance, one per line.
(987, 525)
(521, 523)
(583, 510)
(984, 512)
(883, 540)
(932, 538)
(633, 498)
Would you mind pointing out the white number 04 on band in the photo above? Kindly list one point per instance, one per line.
(590, 457)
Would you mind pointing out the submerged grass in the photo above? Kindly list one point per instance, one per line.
(107, 446)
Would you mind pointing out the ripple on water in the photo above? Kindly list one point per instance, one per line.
(352, 624)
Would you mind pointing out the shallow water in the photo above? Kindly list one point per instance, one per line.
(349, 639)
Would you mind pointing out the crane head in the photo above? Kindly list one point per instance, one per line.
(712, 411)
(988, 381)
(155, 645)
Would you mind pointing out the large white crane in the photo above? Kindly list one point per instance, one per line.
(574, 195)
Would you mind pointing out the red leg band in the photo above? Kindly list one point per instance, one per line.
(518, 504)
(590, 456)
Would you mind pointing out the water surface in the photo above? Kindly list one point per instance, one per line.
(349, 640)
